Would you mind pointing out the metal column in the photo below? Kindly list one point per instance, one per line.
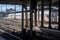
(31, 16)
(42, 14)
(38, 13)
(50, 13)
(35, 9)
(59, 17)
(26, 15)
(24, 5)
(22, 18)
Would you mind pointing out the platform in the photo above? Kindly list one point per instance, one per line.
(1, 38)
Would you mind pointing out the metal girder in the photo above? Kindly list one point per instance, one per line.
(19, 1)
(9, 2)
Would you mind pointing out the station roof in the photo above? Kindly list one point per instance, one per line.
(19, 1)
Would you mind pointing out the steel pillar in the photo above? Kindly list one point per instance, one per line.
(42, 14)
(50, 13)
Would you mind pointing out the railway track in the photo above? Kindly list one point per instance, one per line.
(15, 26)
(8, 36)
(10, 25)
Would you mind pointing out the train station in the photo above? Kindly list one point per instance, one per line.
(29, 20)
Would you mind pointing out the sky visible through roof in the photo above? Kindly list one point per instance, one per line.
(3, 7)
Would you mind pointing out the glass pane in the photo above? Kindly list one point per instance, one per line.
(18, 7)
(7, 21)
(46, 16)
(54, 15)
(46, 13)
